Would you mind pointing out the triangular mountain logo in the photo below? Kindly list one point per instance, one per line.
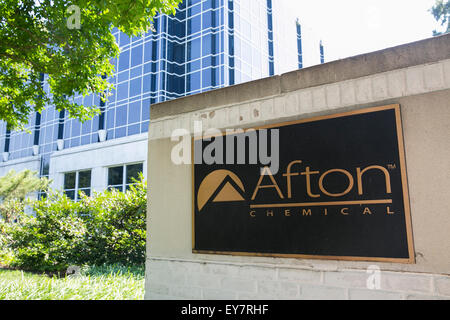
(228, 194)
(220, 186)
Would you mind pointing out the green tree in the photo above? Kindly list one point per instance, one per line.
(69, 41)
(18, 185)
(14, 188)
(441, 12)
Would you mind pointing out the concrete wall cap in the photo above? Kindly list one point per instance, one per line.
(416, 53)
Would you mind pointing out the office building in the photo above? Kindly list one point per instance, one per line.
(207, 45)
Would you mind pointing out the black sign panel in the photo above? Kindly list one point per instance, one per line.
(332, 187)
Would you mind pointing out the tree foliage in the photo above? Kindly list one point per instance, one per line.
(441, 12)
(69, 41)
(14, 188)
(18, 185)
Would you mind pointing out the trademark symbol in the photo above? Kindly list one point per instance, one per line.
(392, 166)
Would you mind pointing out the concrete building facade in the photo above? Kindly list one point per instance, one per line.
(416, 76)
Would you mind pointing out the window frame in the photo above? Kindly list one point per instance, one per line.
(77, 183)
(123, 186)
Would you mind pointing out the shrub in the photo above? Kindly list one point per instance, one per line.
(116, 228)
(11, 209)
(49, 241)
(107, 228)
(6, 254)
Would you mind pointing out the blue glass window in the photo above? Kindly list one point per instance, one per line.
(110, 118)
(76, 128)
(123, 76)
(299, 46)
(112, 96)
(148, 67)
(206, 78)
(194, 81)
(194, 49)
(74, 142)
(148, 51)
(121, 132)
(207, 45)
(136, 56)
(121, 115)
(146, 83)
(124, 60)
(134, 114)
(86, 127)
(207, 20)
(122, 91)
(195, 24)
(177, 53)
(124, 39)
(146, 109)
(195, 9)
(134, 129)
(95, 123)
(194, 66)
(144, 126)
(85, 140)
(135, 87)
(136, 72)
(207, 62)
(322, 54)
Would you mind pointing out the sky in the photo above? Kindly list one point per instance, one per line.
(352, 27)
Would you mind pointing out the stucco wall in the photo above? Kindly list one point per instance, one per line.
(416, 76)
(31, 163)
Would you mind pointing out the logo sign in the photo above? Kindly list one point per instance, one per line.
(338, 191)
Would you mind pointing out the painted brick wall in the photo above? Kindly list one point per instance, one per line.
(183, 279)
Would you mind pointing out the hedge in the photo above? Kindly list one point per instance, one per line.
(106, 228)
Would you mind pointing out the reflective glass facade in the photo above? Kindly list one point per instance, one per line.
(184, 56)
(208, 44)
(20, 143)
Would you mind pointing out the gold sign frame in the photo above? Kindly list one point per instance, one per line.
(405, 193)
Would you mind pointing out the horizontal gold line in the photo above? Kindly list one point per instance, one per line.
(317, 204)
(305, 256)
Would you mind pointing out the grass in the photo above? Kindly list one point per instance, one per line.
(93, 283)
